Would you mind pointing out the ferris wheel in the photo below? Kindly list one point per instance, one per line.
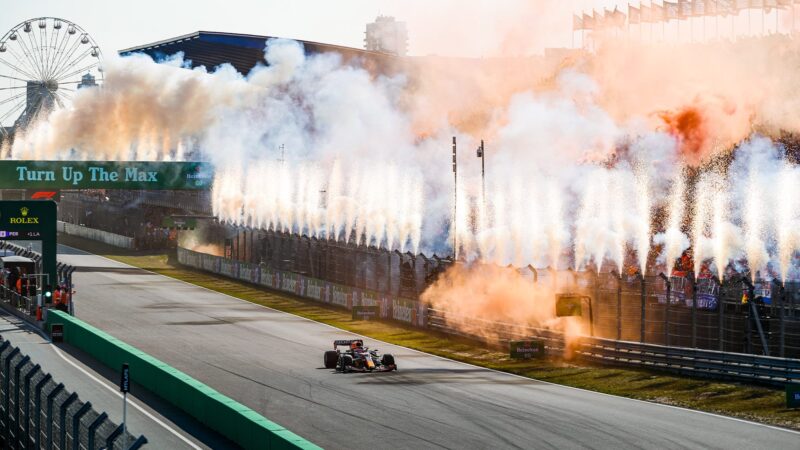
(43, 62)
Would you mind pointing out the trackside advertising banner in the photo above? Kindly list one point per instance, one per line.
(54, 175)
(403, 310)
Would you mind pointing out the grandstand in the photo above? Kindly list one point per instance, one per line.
(242, 51)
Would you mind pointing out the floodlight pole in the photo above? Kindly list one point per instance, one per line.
(482, 156)
(455, 202)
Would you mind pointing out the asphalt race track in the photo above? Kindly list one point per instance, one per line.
(95, 387)
(272, 362)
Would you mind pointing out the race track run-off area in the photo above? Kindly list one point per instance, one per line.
(272, 362)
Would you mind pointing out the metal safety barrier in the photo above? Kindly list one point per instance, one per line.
(686, 361)
(38, 412)
(692, 361)
(625, 310)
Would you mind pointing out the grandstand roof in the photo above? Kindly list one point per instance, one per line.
(242, 51)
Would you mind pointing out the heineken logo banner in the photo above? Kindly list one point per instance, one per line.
(153, 175)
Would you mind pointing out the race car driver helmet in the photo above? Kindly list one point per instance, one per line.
(354, 345)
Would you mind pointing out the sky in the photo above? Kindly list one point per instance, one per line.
(442, 27)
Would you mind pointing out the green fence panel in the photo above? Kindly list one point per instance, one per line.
(228, 417)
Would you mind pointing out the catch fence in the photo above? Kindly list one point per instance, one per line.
(38, 412)
(620, 308)
(734, 315)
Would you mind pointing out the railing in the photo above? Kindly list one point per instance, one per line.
(686, 361)
(63, 271)
(38, 412)
(21, 303)
(694, 362)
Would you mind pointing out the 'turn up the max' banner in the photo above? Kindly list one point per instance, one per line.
(105, 175)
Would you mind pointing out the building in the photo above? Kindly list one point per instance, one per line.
(242, 51)
(386, 35)
(87, 80)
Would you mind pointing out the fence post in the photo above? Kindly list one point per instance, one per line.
(110, 440)
(17, 370)
(666, 307)
(389, 273)
(7, 389)
(37, 424)
(62, 420)
(781, 322)
(27, 427)
(76, 424)
(619, 306)
(92, 431)
(782, 318)
(644, 306)
(720, 316)
(694, 312)
(50, 397)
(751, 292)
(138, 443)
(596, 288)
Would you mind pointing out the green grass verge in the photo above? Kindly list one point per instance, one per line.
(757, 403)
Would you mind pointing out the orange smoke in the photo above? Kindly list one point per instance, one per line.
(211, 249)
(475, 297)
(689, 126)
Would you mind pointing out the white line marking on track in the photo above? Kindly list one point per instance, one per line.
(113, 390)
(461, 362)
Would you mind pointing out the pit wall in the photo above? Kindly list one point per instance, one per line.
(391, 307)
(230, 418)
(116, 240)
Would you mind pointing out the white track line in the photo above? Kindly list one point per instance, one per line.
(461, 362)
(113, 389)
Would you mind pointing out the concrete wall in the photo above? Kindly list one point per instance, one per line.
(96, 235)
(391, 306)
(230, 418)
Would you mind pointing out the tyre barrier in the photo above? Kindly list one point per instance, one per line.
(228, 417)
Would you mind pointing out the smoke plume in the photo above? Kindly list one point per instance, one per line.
(620, 157)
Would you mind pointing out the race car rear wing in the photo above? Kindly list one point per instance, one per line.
(347, 342)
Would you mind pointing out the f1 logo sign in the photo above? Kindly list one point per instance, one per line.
(43, 195)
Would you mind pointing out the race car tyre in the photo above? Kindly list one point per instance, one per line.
(346, 362)
(387, 360)
(331, 358)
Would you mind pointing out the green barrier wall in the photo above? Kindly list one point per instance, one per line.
(230, 418)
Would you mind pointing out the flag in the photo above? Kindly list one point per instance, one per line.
(784, 2)
(619, 17)
(658, 13)
(710, 7)
(769, 4)
(684, 9)
(599, 20)
(671, 11)
(742, 4)
(634, 14)
(644, 13)
(756, 4)
(725, 7)
(608, 17)
(615, 18)
(698, 8)
(588, 22)
(577, 22)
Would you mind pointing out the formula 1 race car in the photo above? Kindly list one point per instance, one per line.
(357, 358)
